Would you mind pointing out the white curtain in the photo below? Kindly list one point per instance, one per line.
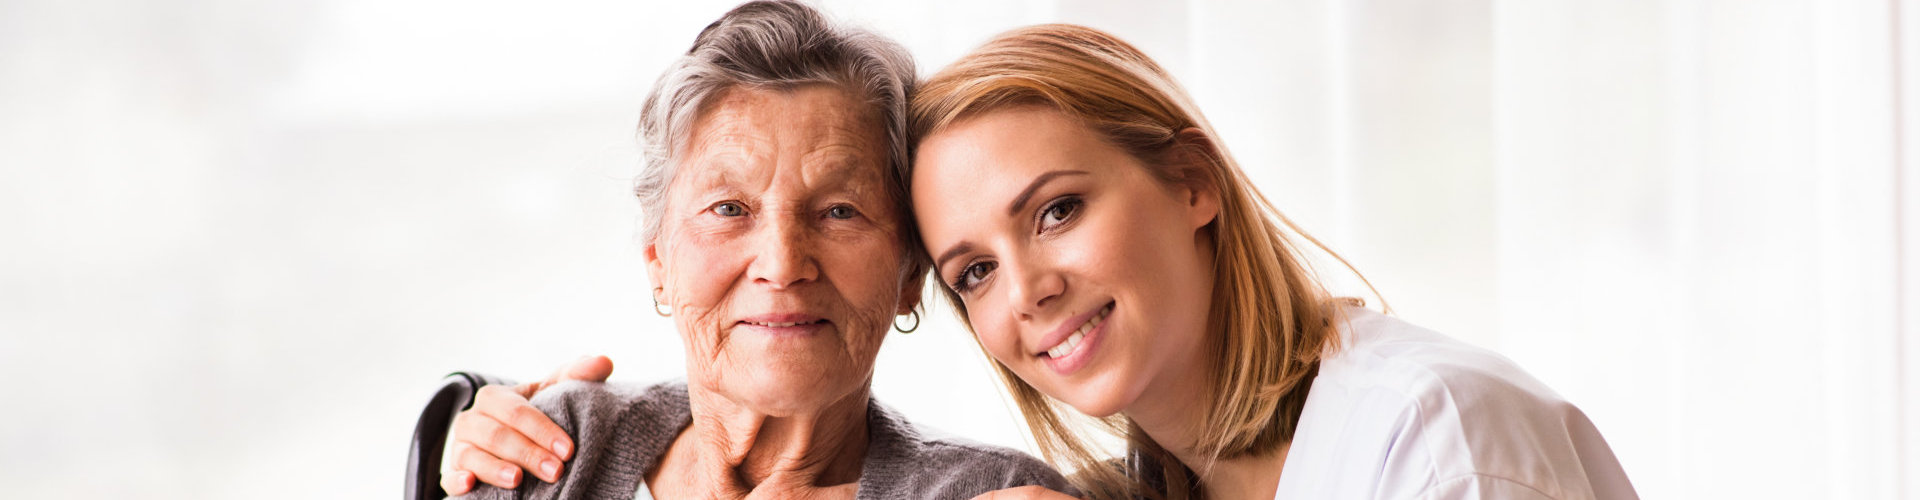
(242, 239)
(1687, 216)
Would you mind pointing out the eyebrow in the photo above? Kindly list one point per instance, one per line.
(1026, 195)
(956, 251)
(1019, 203)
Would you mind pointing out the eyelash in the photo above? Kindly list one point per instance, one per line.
(851, 212)
(742, 207)
(962, 285)
(1071, 204)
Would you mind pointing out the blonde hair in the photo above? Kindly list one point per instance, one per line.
(1270, 321)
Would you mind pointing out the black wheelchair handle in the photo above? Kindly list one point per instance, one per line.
(430, 433)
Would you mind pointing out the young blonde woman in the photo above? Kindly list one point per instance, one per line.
(1115, 262)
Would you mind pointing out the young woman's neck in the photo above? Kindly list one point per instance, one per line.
(1165, 413)
(730, 450)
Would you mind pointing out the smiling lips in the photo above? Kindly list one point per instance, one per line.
(783, 324)
(1072, 342)
(787, 322)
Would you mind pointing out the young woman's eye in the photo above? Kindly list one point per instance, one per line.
(729, 209)
(972, 276)
(842, 212)
(1059, 212)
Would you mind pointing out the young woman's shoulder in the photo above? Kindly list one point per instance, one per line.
(1383, 352)
(1433, 414)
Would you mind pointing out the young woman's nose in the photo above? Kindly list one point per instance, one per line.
(1034, 287)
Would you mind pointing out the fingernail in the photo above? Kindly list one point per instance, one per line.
(506, 474)
(551, 469)
(560, 447)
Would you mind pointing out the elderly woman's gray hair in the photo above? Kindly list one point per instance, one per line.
(776, 44)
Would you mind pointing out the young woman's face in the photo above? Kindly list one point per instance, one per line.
(1080, 270)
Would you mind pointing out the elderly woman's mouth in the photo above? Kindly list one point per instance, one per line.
(785, 323)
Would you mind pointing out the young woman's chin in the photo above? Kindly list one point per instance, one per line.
(1097, 395)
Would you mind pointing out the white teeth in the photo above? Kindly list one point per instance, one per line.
(781, 325)
(1066, 347)
(1072, 342)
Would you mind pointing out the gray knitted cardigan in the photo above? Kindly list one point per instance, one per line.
(622, 430)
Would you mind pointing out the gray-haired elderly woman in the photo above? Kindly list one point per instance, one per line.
(779, 242)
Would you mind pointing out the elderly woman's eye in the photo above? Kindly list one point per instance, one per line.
(729, 209)
(842, 212)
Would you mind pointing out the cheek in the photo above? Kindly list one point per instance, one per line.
(993, 327)
(1169, 275)
(1106, 254)
(865, 268)
(697, 286)
(699, 275)
(864, 277)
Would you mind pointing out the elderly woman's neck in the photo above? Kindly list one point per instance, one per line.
(729, 448)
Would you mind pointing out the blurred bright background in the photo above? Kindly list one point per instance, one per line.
(243, 240)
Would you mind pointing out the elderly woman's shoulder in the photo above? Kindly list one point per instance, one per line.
(930, 464)
(601, 393)
(620, 429)
(572, 402)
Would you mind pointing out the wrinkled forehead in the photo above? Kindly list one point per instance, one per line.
(818, 133)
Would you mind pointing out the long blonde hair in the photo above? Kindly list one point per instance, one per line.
(1270, 321)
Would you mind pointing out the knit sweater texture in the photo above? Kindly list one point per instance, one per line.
(622, 431)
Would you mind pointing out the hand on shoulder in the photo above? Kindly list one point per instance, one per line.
(503, 434)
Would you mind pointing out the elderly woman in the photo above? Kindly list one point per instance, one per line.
(777, 242)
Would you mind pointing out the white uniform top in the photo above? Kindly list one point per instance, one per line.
(1403, 412)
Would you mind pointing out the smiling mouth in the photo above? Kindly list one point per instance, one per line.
(785, 325)
(1072, 342)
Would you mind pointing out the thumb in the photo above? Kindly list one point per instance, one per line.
(588, 369)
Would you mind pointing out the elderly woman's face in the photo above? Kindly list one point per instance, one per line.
(780, 252)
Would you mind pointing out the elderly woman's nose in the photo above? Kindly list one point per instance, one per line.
(784, 253)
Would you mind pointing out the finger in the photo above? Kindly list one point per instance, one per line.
(590, 369)
(586, 369)
(497, 438)
(485, 467)
(502, 396)
(509, 404)
(506, 406)
(457, 483)
(506, 394)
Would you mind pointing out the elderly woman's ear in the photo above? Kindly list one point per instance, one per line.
(910, 287)
(655, 274)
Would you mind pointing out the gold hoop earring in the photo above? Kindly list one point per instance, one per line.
(656, 305)
(916, 323)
